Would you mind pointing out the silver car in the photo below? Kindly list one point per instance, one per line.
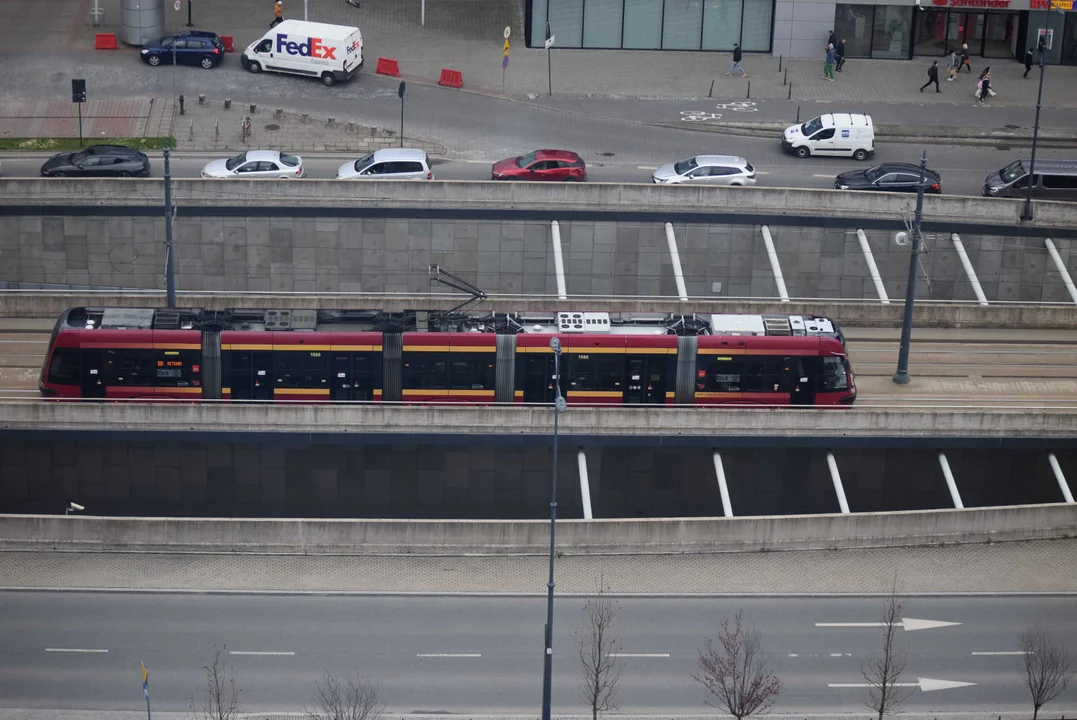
(389, 164)
(256, 164)
(708, 170)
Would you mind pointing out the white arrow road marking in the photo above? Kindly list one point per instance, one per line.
(640, 655)
(1001, 652)
(75, 650)
(449, 655)
(258, 652)
(909, 624)
(925, 684)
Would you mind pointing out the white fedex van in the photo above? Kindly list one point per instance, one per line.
(333, 53)
(838, 134)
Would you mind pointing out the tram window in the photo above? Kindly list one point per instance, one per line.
(474, 373)
(129, 367)
(611, 371)
(426, 373)
(582, 370)
(833, 378)
(763, 374)
(177, 368)
(720, 374)
(300, 369)
(64, 368)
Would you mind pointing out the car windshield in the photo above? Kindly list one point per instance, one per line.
(235, 162)
(364, 162)
(77, 158)
(525, 160)
(289, 160)
(811, 127)
(873, 174)
(1012, 172)
(685, 166)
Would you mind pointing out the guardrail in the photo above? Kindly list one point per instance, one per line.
(859, 312)
(514, 537)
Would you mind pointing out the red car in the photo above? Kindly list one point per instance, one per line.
(563, 165)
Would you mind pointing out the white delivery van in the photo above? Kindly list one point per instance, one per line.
(333, 53)
(837, 134)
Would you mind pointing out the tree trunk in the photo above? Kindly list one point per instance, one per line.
(1035, 711)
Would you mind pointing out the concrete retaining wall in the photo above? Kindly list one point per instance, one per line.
(626, 258)
(377, 423)
(517, 537)
(49, 304)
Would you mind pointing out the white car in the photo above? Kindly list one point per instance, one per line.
(706, 170)
(255, 164)
(388, 164)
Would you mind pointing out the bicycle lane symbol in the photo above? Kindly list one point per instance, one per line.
(705, 116)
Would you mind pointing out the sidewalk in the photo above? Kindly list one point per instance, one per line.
(1027, 567)
(466, 35)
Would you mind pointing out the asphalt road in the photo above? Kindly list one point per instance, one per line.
(484, 655)
(481, 128)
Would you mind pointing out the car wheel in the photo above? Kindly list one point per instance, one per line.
(860, 154)
(154, 60)
(570, 179)
(58, 174)
(123, 173)
(328, 80)
(736, 184)
(254, 67)
(207, 63)
(803, 151)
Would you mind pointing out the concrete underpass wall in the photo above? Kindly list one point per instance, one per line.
(292, 477)
(328, 254)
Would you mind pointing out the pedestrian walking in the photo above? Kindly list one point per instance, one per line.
(1028, 62)
(735, 65)
(932, 76)
(840, 53)
(831, 38)
(954, 66)
(828, 65)
(985, 86)
(965, 62)
(278, 13)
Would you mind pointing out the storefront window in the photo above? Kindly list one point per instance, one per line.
(566, 22)
(721, 24)
(1069, 40)
(756, 32)
(643, 24)
(892, 32)
(682, 24)
(602, 23)
(853, 23)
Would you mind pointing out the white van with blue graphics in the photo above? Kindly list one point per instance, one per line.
(835, 134)
(333, 53)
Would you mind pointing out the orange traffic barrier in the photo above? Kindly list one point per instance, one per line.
(106, 41)
(451, 78)
(228, 42)
(388, 66)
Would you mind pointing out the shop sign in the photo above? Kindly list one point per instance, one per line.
(982, 3)
(1052, 4)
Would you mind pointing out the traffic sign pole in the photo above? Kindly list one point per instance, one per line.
(505, 57)
(146, 689)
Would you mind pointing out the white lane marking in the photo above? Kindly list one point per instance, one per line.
(76, 650)
(835, 654)
(793, 655)
(765, 172)
(638, 167)
(258, 652)
(449, 655)
(1000, 652)
(639, 655)
(476, 162)
(826, 176)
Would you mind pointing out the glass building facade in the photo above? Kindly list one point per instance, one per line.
(653, 24)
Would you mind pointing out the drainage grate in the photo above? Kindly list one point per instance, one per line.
(272, 126)
(1012, 127)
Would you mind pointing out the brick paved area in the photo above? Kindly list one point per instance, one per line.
(1004, 567)
(114, 117)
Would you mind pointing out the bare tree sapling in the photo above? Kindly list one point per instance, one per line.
(1047, 667)
(350, 698)
(736, 673)
(221, 701)
(599, 646)
(883, 670)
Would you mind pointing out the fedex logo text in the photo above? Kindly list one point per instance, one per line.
(313, 47)
(351, 48)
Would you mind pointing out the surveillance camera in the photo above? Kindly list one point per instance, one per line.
(75, 506)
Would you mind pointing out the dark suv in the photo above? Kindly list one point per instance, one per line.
(191, 47)
(98, 161)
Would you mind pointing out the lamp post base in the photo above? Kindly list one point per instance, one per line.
(901, 377)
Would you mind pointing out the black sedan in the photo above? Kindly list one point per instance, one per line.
(191, 47)
(892, 177)
(98, 161)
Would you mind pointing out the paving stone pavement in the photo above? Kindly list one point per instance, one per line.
(1025, 567)
(113, 117)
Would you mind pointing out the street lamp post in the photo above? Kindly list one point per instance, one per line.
(559, 407)
(1042, 48)
(901, 377)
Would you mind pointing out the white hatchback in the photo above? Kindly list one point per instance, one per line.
(388, 164)
(706, 170)
(255, 164)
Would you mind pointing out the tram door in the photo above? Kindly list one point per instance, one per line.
(252, 378)
(92, 375)
(538, 377)
(803, 380)
(646, 380)
(352, 377)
